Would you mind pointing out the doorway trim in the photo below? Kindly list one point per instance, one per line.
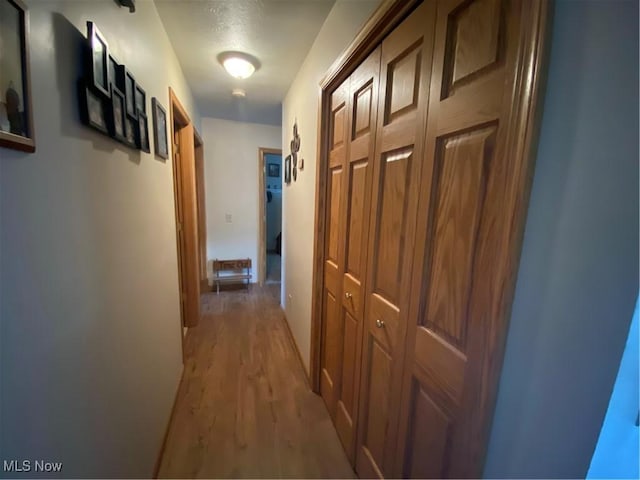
(262, 211)
(198, 145)
(184, 189)
(533, 44)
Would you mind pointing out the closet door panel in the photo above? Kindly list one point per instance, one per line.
(464, 239)
(332, 322)
(363, 108)
(405, 78)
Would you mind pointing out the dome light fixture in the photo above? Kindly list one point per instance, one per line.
(238, 64)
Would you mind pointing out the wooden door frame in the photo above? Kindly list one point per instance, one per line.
(179, 115)
(202, 216)
(262, 212)
(529, 85)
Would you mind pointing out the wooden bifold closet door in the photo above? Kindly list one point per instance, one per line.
(353, 120)
(429, 171)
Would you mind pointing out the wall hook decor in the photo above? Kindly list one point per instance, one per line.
(295, 148)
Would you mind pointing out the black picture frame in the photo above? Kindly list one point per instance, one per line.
(98, 60)
(16, 120)
(287, 169)
(273, 170)
(118, 115)
(143, 132)
(130, 131)
(93, 110)
(159, 114)
(114, 68)
(140, 99)
(126, 82)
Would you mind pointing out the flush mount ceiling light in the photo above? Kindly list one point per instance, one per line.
(238, 64)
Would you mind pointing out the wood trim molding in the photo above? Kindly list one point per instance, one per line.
(383, 20)
(178, 113)
(202, 216)
(295, 347)
(187, 190)
(163, 445)
(262, 212)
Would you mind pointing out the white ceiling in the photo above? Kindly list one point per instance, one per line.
(278, 32)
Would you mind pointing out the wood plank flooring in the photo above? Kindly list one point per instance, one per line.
(244, 408)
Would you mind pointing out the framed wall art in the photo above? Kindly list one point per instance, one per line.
(126, 82)
(273, 170)
(161, 145)
(16, 116)
(130, 131)
(143, 132)
(117, 114)
(93, 111)
(99, 60)
(287, 169)
(141, 99)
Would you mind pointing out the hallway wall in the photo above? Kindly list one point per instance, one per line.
(578, 278)
(231, 186)
(301, 103)
(90, 354)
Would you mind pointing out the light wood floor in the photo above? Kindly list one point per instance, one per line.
(244, 408)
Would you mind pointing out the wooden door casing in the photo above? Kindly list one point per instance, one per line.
(355, 210)
(475, 184)
(402, 106)
(177, 181)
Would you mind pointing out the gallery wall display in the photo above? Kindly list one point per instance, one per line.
(110, 100)
(16, 116)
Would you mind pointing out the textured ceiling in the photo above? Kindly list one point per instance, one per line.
(277, 32)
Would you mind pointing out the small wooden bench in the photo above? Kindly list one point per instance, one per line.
(233, 266)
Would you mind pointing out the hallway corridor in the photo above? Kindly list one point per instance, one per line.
(244, 408)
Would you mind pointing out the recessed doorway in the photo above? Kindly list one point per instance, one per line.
(270, 197)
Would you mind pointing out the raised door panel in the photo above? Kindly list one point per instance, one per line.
(363, 108)
(332, 320)
(397, 162)
(471, 189)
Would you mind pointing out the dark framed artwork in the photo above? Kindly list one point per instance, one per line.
(143, 132)
(99, 60)
(126, 82)
(114, 68)
(93, 110)
(161, 145)
(273, 170)
(16, 116)
(141, 99)
(130, 131)
(117, 114)
(287, 169)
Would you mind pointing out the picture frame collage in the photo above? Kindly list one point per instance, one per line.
(113, 103)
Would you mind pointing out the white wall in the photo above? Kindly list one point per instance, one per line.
(89, 315)
(231, 185)
(578, 277)
(301, 103)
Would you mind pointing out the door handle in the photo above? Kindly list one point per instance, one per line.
(379, 323)
(348, 295)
